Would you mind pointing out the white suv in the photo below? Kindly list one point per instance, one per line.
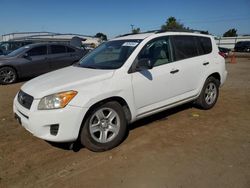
(119, 82)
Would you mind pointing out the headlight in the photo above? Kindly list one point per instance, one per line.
(57, 100)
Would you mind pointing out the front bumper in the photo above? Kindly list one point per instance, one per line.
(39, 122)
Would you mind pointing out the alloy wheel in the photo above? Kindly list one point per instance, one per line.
(104, 125)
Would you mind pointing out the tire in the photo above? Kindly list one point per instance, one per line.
(8, 75)
(105, 127)
(209, 94)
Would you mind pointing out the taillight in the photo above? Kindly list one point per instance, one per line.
(222, 54)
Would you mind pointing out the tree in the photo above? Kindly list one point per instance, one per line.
(230, 33)
(101, 36)
(137, 30)
(172, 24)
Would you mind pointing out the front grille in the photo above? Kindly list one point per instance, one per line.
(24, 99)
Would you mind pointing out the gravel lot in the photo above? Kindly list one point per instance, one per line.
(179, 148)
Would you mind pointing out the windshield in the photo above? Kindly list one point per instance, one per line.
(18, 51)
(109, 55)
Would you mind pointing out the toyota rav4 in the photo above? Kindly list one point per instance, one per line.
(119, 82)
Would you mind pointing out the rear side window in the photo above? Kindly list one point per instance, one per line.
(70, 49)
(58, 49)
(184, 47)
(41, 50)
(206, 44)
(246, 44)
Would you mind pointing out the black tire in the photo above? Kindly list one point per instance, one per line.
(8, 75)
(203, 99)
(90, 139)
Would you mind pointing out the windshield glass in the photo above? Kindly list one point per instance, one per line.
(18, 51)
(109, 55)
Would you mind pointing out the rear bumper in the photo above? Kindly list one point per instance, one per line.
(223, 77)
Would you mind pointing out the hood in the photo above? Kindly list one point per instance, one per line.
(70, 78)
(4, 57)
(7, 56)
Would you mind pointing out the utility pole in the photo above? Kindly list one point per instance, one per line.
(132, 27)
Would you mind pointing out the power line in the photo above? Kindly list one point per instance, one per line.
(218, 20)
(205, 21)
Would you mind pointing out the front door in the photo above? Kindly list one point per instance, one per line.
(151, 87)
(36, 62)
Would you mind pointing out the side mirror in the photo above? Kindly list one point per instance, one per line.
(144, 63)
(25, 55)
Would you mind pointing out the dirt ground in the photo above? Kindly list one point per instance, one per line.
(180, 148)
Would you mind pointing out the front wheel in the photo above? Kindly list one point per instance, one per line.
(209, 93)
(104, 128)
(7, 75)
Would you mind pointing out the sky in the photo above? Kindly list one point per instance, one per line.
(115, 17)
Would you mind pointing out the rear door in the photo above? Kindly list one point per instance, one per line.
(58, 56)
(191, 65)
(74, 55)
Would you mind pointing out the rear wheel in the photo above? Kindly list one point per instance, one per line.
(209, 93)
(7, 75)
(104, 128)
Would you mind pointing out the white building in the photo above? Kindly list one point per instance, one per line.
(229, 42)
(50, 37)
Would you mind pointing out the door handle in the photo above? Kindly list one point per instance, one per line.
(206, 63)
(174, 71)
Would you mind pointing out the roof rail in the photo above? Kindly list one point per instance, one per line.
(163, 31)
(127, 34)
(181, 30)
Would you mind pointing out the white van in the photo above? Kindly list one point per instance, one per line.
(119, 82)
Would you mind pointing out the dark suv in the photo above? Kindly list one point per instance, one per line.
(35, 59)
(243, 46)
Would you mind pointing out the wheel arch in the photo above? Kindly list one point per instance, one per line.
(16, 70)
(216, 75)
(120, 100)
(2, 66)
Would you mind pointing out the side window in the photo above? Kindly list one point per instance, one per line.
(5, 46)
(184, 47)
(158, 51)
(206, 44)
(70, 50)
(41, 50)
(58, 49)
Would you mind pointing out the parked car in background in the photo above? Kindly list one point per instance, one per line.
(7, 47)
(35, 59)
(1, 52)
(119, 82)
(242, 46)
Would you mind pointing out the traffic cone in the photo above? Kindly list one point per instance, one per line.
(232, 58)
